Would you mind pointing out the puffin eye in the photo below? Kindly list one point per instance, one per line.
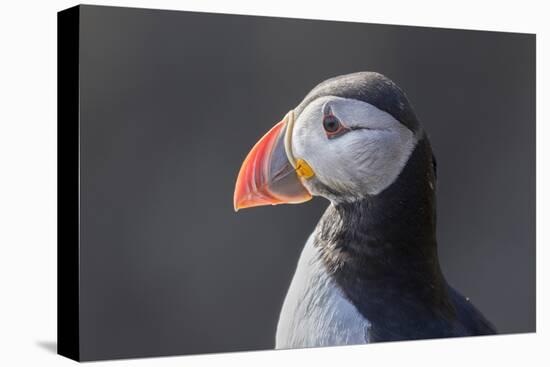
(332, 126)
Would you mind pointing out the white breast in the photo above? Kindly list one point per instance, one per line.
(315, 312)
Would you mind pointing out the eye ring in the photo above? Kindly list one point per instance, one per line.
(333, 127)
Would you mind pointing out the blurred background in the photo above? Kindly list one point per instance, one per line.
(171, 102)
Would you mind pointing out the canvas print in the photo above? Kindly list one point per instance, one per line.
(409, 154)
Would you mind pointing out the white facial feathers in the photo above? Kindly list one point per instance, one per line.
(363, 161)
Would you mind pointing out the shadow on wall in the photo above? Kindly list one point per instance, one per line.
(50, 346)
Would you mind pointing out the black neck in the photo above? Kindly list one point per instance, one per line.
(382, 252)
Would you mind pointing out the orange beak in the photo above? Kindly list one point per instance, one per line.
(267, 177)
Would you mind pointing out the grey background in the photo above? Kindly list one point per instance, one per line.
(171, 102)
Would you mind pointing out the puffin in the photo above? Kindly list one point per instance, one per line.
(369, 271)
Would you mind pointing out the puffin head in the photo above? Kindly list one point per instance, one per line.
(349, 138)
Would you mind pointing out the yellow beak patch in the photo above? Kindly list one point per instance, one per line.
(303, 169)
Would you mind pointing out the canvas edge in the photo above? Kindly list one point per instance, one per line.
(68, 181)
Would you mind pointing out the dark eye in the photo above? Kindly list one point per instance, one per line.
(331, 124)
(333, 127)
